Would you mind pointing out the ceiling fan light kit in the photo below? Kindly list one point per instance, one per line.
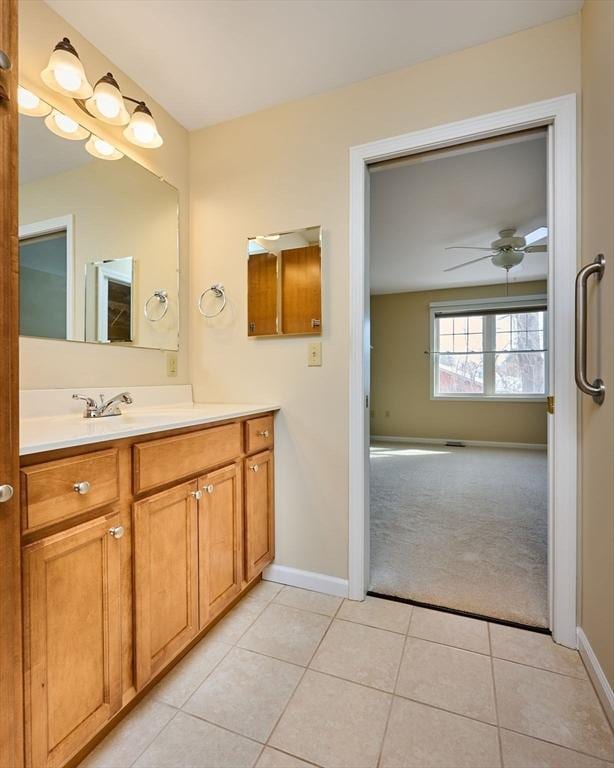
(506, 252)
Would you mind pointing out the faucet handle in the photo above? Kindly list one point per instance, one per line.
(90, 402)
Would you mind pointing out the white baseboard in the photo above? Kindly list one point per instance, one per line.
(316, 582)
(597, 675)
(444, 440)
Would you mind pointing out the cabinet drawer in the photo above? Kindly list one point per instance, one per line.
(259, 433)
(59, 490)
(171, 458)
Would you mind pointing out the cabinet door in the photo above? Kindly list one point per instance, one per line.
(72, 638)
(165, 577)
(259, 514)
(220, 533)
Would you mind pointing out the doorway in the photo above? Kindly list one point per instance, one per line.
(459, 364)
(559, 116)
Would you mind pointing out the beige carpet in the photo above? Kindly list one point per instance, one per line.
(464, 528)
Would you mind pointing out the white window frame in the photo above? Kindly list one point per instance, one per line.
(48, 227)
(504, 303)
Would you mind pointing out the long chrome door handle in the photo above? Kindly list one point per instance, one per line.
(596, 389)
(6, 492)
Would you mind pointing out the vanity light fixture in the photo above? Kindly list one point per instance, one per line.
(30, 104)
(102, 149)
(65, 126)
(142, 129)
(65, 74)
(107, 102)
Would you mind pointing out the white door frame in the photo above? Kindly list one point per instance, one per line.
(560, 114)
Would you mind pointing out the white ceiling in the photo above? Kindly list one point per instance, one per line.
(419, 208)
(206, 61)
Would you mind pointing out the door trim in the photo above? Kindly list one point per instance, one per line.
(560, 113)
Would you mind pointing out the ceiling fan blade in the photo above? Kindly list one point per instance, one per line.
(466, 263)
(536, 249)
(466, 248)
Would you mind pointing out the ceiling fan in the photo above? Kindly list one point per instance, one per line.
(507, 251)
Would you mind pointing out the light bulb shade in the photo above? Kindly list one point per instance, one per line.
(29, 103)
(65, 126)
(102, 149)
(142, 129)
(65, 74)
(107, 102)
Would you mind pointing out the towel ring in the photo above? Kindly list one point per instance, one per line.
(218, 291)
(162, 297)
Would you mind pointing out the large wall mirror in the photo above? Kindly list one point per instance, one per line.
(98, 245)
(284, 283)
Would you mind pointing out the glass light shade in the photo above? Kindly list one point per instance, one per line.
(142, 129)
(65, 126)
(107, 103)
(102, 149)
(28, 103)
(65, 74)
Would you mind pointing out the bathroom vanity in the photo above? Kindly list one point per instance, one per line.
(138, 531)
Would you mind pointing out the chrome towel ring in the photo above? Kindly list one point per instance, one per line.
(162, 297)
(217, 289)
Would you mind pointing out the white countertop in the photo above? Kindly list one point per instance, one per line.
(48, 433)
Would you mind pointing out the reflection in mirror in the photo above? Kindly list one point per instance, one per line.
(96, 239)
(284, 291)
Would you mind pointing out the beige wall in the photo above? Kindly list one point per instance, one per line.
(46, 363)
(287, 167)
(597, 438)
(120, 210)
(400, 376)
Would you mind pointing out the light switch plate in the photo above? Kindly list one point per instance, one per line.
(314, 355)
(171, 363)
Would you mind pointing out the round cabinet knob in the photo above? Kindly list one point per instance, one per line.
(82, 488)
(208, 488)
(263, 433)
(197, 495)
(117, 532)
(254, 467)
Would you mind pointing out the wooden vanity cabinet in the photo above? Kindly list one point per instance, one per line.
(220, 540)
(165, 533)
(259, 515)
(103, 617)
(72, 639)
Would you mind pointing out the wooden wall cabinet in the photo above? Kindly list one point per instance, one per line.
(73, 640)
(104, 617)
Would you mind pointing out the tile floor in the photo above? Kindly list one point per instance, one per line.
(291, 679)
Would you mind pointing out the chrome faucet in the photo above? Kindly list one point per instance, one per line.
(110, 407)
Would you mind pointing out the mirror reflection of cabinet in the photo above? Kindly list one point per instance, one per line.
(284, 284)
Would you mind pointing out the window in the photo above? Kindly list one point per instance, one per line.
(489, 349)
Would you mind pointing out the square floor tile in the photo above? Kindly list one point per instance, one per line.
(450, 629)
(246, 693)
(237, 620)
(308, 601)
(375, 612)
(453, 679)
(362, 654)
(422, 737)
(333, 723)
(181, 682)
(523, 751)
(286, 633)
(556, 708)
(264, 590)
(536, 650)
(188, 742)
(130, 737)
(273, 758)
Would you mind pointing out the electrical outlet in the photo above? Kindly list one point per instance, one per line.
(314, 354)
(171, 363)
